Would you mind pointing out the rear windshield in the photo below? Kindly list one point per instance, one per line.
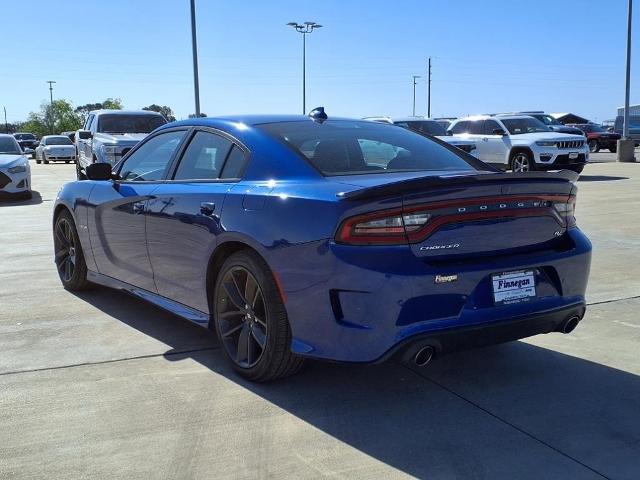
(25, 136)
(121, 123)
(342, 147)
(58, 141)
(9, 145)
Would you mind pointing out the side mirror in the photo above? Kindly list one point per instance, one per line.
(99, 171)
(85, 134)
(29, 151)
(499, 131)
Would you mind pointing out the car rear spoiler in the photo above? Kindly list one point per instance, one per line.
(420, 183)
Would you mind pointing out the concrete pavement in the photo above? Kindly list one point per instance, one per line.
(102, 385)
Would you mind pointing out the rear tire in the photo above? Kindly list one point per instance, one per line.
(69, 257)
(251, 320)
(594, 146)
(521, 162)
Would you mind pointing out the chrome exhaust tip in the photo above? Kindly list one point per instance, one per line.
(570, 325)
(423, 356)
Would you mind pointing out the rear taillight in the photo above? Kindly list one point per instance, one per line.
(415, 223)
(567, 210)
(382, 228)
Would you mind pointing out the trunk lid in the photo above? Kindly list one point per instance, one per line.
(478, 214)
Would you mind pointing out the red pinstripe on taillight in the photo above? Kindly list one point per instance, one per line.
(414, 223)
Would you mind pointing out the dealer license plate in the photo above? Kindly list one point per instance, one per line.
(573, 155)
(513, 287)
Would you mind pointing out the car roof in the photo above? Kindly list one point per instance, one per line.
(499, 116)
(21, 133)
(251, 120)
(124, 112)
(7, 135)
(400, 119)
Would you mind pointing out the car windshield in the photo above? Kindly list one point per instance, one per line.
(25, 136)
(596, 128)
(518, 126)
(430, 127)
(58, 141)
(8, 145)
(122, 123)
(342, 147)
(547, 120)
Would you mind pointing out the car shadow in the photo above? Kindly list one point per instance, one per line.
(600, 178)
(484, 414)
(6, 201)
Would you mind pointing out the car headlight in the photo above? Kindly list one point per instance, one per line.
(545, 143)
(109, 151)
(18, 169)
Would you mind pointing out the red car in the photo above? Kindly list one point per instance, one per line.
(598, 137)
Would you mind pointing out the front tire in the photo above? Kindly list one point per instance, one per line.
(522, 162)
(613, 148)
(251, 320)
(79, 173)
(594, 146)
(69, 258)
(578, 169)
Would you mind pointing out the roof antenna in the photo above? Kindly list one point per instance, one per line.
(318, 115)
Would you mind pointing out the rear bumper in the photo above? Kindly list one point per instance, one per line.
(476, 336)
(349, 304)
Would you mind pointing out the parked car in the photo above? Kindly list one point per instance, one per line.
(425, 126)
(27, 140)
(598, 137)
(335, 239)
(521, 143)
(71, 135)
(56, 148)
(553, 124)
(107, 135)
(634, 127)
(15, 172)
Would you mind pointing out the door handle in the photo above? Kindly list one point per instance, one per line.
(138, 208)
(485, 139)
(207, 208)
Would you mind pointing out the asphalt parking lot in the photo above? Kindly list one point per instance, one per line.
(102, 385)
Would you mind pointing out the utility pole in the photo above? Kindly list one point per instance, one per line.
(51, 82)
(194, 48)
(429, 91)
(305, 29)
(626, 145)
(414, 93)
(6, 125)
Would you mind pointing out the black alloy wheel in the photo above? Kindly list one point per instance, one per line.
(242, 317)
(251, 320)
(69, 258)
(594, 146)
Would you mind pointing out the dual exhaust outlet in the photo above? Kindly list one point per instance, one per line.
(425, 354)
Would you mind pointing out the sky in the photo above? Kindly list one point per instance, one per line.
(487, 55)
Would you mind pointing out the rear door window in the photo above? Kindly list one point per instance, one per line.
(460, 127)
(204, 157)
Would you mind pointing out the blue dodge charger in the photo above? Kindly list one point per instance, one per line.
(300, 237)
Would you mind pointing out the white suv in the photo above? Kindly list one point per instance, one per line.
(427, 126)
(521, 143)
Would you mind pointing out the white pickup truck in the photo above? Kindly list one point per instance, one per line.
(107, 135)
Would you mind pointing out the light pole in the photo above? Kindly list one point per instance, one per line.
(305, 29)
(194, 48)
(51, 82)
(429, 91)
(414, 93)
(6, 125)
(625, 145)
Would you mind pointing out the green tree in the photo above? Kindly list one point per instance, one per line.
(56, 118)
(109, 103)
(165, 111)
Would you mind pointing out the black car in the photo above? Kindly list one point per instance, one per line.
(554, 124)
(27, 140)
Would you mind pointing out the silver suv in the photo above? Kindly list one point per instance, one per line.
(107, 135)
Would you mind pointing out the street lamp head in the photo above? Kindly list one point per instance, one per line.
(317, 25)
(292, 24)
